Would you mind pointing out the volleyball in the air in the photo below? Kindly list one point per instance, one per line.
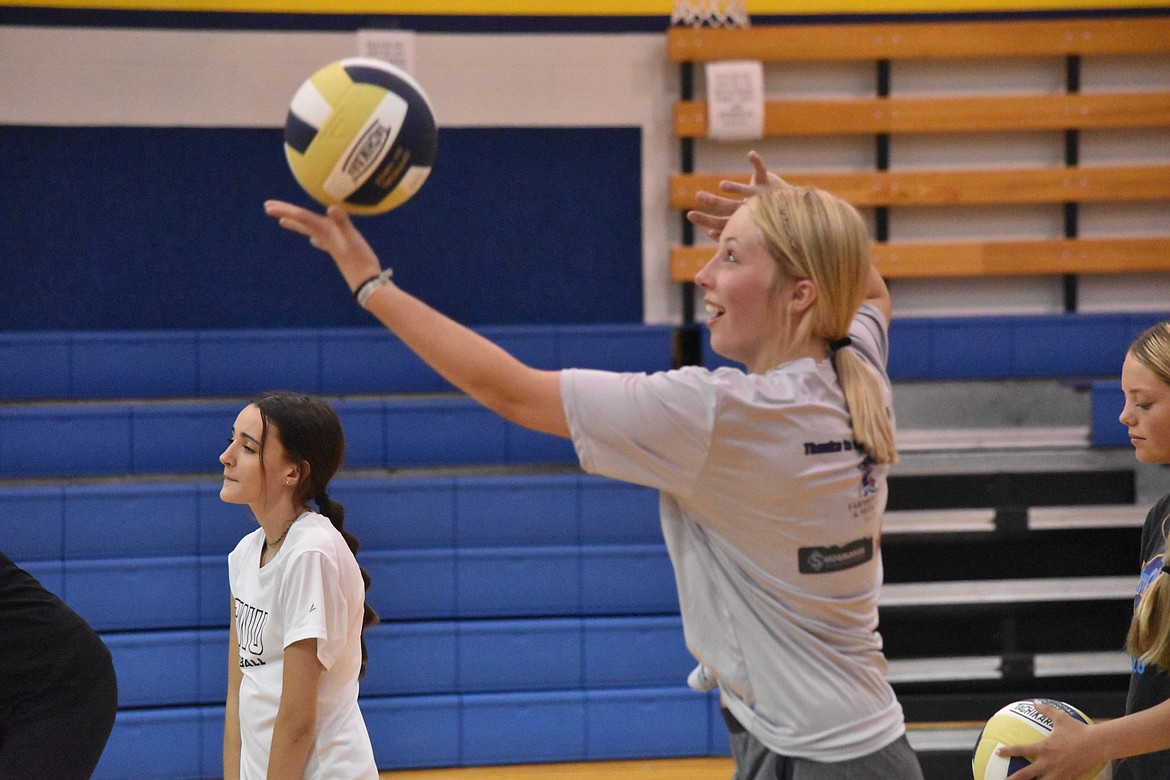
(1017, 724)
(361, 133)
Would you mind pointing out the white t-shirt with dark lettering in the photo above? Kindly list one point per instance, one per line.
(312, 588)
(772, 518)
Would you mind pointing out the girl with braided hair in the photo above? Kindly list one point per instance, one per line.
(296, 653)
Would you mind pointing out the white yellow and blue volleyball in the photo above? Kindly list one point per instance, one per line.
(1019, 723)
(361, 133)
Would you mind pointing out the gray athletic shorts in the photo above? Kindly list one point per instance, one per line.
(753, 761)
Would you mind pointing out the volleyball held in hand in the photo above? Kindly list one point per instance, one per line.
(361, 133)
(1017, 724)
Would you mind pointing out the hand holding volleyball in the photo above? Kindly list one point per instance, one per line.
(361, 134)
(1047, 739)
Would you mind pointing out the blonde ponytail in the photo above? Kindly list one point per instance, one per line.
(814, 235)
(867, 407)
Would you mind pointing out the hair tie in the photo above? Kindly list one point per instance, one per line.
(840, 344)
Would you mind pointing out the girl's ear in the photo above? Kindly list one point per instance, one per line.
(804, 294)
(294, 472)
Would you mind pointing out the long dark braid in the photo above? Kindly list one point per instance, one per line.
(311, 433)
(336, 514)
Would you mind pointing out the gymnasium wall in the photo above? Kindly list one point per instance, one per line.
(139, 139)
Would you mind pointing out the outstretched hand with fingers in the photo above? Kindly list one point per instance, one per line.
(1068, 753)
(717, 209)
(334, 233)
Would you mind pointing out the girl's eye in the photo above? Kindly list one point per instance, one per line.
(248, 448)
(731, 257)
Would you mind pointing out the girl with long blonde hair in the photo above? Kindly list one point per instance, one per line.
(1139, 742)
(772, 477)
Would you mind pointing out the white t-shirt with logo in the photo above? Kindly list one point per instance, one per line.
(772, 518)
(312, 588)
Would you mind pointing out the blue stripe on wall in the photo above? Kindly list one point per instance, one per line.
(162, 228)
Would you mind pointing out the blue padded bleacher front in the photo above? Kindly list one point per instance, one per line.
(164, 744)
(43, 366)
(115, 438)
(487, 632)
(1005, 347)
(549, 726)
(188, 666)
(334, 361)
(521, 581)
(1013, 347)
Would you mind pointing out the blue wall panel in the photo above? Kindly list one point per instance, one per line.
(157, 667)
(634, 651)
(411, 658)
(250, 362)
(529, 727)
(658, 722)
(615, 512)
(422, 731)
(244, 362)
(104, 364)
(163, 228)
(493, 511)
(213, 664)
(399, 514)
(174, 742)
(39, 441)
(415, 584)
(436, 432)
(520, 655)
(362, 360)
(518, 582)
(32, 524)
(627, 580)
(137, 593)
(108, 521)
(35, 365)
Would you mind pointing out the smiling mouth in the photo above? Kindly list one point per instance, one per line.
(713, 312)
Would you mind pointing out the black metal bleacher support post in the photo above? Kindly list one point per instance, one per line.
(881, 214)
(687, 343)
(1071, 160)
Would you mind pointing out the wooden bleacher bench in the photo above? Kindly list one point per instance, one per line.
(885, 115)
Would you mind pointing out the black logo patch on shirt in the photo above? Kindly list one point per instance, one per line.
(826, 560)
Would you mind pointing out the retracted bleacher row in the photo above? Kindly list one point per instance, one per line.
(529, 610)
(359, 362)
(552, 638)
(1058, 113)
